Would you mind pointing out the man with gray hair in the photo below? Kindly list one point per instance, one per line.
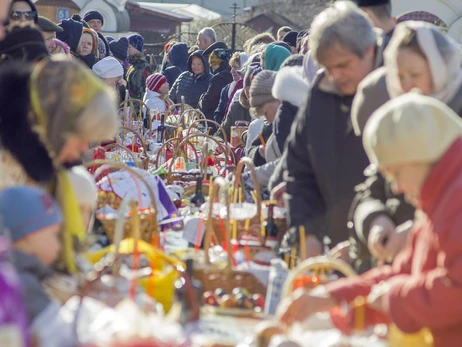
(205, 38)
(324, 160)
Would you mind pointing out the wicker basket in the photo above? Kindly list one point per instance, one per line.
(147, 217)
(227, 278)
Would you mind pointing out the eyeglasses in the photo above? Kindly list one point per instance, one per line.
(28, 15)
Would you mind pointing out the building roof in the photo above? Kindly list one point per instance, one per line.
(188, 10)
(58, 3)
(152, 9)
(278, 19)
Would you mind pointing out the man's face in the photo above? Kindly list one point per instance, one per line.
(49, 36)
(345, 69)
(95, 24)
(132, 50)
(202, 42)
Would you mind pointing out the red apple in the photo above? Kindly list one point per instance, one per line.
(259, 300)
(210, 299)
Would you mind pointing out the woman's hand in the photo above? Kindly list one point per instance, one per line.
(302, 304)
(261, 150)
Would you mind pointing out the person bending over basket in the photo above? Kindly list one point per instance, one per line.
(416, 142)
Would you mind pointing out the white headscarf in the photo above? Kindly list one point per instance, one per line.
(443, 55)
(108, 68)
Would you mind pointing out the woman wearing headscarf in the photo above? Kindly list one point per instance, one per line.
(273, 57)
(418, 56)
(50, 115)
(178, 60)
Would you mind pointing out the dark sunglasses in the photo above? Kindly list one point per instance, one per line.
(28, 15)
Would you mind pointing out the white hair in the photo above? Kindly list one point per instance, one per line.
(342, 24)
(99, 120)
(209, 33)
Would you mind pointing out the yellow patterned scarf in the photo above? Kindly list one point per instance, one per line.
(59, 91)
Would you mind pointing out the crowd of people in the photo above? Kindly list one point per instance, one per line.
(353, 125)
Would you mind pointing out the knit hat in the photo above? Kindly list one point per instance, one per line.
(274, 56)
(119, 48)
(369, 3)
(72, 31)
(23, 42)
(411, 128)
(137, 41)
(213, 47)
(291, 38)
(47, 25)
(108, 67)
(84, 185)
(109, 39)
(93, 14)
(155, 81)
(25, 210)
(219, 56)
(261, 88)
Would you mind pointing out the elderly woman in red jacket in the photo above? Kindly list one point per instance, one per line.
(416, 143)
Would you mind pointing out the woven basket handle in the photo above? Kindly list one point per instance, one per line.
(186, 140)
(239, 169)
(116, 145)
(132, 172)
(142, 104)
(195, 112)
(315, 263)
(171, 142)
(219, 185)
(143, 144)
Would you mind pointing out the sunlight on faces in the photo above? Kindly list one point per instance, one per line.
(197, 66)
(414, 72)
(49, 36)
(85, 44)
(95, 24)
(20, 6)
(407, 179)
(203, 42)
(112, 82)
(345, 69)
(268, 110)
(164, 88)
(73, 149)
(132, 50)
(45, 244)
(234, 68)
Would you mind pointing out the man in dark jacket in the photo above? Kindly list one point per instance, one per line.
(178, 59)
(379, 12)
(95, 20)
(324, 160)
(192, 83)
(219, 62)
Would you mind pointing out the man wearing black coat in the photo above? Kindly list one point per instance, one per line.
(324, 160)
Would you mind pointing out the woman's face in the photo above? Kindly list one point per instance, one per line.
(414, 72)
(86, 44)
(164, 88)
(73, 149)
(197, 66)
(234, 68)
(407, 179)
(21, 12)
(269, 110)
(112, 82)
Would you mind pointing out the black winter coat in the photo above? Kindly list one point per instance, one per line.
(283, 122)
(189, 85)
(178, 62)
(324, 162)
(210, 99)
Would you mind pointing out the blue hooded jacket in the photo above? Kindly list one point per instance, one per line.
(189, 85)
(179, 62)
